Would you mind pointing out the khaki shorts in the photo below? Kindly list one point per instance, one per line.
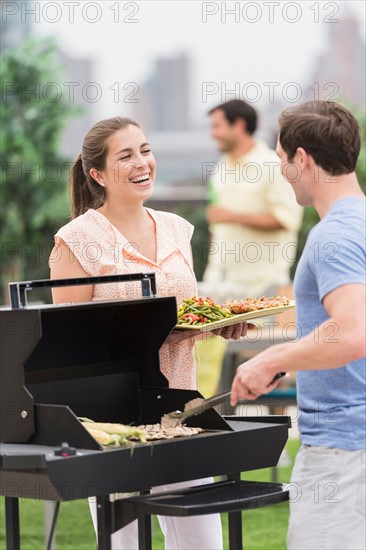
(327, 500)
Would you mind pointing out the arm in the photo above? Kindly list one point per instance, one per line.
(262, 220)
(67, 266)
(337, 341)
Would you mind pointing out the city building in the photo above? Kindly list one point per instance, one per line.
(14, 27)
(78, 91)
(338, 71)
(164, 98)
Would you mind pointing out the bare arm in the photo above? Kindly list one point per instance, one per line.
(339, 340)
(262, 220)
(67, 266)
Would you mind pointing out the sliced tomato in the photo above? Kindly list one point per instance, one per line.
(192, 316)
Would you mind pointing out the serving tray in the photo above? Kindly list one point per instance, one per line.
(236, 318)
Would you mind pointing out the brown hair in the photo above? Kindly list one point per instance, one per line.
(326, 130)
(85, 191)
(237, 108)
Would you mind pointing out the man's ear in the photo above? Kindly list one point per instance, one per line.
(240, 125)
(302, 158)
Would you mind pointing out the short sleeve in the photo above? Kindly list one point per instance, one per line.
(180, 231)
(184, 237)
(186, 248)
(281, 200)
(183, 229)
(189, 230)
(338, 259)
(85, 249)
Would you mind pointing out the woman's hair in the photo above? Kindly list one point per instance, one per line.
(85, 191)
(326, 130)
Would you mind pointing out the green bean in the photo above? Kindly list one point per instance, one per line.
(197, 312)
(218, 309)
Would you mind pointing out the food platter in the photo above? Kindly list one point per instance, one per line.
(236, 318)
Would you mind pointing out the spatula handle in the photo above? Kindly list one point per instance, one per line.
(215, 400)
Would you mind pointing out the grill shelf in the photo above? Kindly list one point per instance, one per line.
(223, 496)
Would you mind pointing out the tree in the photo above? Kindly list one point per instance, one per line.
(33, 174)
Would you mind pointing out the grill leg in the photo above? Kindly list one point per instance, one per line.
(12, 523)
(235, 523)
(145, 542)
(274, 471)
(104, 521)
(235, 531)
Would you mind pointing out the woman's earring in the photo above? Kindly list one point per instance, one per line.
(102, 184)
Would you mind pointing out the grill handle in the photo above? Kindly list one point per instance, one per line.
(18, 290)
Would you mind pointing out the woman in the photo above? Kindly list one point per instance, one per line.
(112, 232)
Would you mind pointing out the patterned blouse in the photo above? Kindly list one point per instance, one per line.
(101, 249)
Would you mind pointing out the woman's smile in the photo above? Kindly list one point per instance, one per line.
(142, 181)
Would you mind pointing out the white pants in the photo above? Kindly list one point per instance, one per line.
(327, 500)
(196, 532)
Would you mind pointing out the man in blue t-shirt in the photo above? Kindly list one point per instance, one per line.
(318, 145)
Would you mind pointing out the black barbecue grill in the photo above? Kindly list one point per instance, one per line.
(101, 360)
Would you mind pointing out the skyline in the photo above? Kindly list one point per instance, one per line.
(153, 86)
(124, 52)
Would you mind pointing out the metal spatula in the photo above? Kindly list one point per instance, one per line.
(198, 406)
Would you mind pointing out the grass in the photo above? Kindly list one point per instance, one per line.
(263, 529)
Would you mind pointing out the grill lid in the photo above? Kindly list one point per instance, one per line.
(95, 359)
(81, 355)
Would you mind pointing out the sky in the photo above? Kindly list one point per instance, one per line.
(259, 42)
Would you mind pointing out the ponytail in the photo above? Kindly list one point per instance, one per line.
(85, 192)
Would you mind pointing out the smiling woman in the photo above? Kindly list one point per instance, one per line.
(133, 166)
(113, 232)
(108, 156)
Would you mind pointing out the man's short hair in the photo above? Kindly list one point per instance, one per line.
(326, 130)
(237, 108)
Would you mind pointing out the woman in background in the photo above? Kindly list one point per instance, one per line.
(113, 232)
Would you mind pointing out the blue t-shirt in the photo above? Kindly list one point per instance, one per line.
(332, 403)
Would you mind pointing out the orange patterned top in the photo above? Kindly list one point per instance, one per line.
(102, 250)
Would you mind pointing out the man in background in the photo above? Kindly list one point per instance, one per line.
(254, 218)
(318, 145)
